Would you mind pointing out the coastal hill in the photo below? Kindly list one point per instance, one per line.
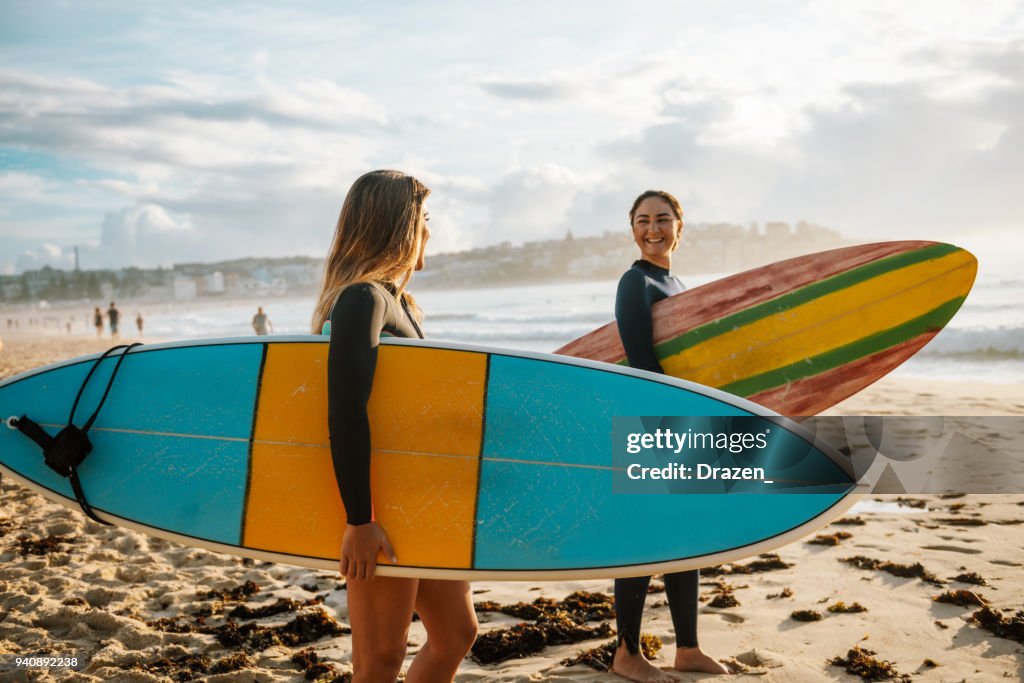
(706, 248)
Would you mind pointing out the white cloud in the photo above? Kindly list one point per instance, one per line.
(25, 187)
(897, 159)
(146, 236)
(124, 187)
(323, 100)
(530, 203)
(266, 171)
(529, 90)
(45, 255)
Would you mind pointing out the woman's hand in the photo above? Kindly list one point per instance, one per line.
(359, 548)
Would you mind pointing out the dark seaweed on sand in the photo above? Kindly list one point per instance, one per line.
(192, 667)
(962, 521)
(6, 524)
(519, 610)
(910, 571)
(850, 521)
(173, 625)
(41, 546)
(830, 539)
(236, 594)
(589, 606)
(911, 503)
(973, 578)
(842, 608)
(805, 615)
(233, 663)
(860, 662)
(724, 600)
(523, 640)
(305, 628)
(311, 666)
(992, 620)
(278, 607)
(764, 563)
(601, 657)
(582, 606)
(184, 668)
(786, 592)
(203, 611)
(962, 598)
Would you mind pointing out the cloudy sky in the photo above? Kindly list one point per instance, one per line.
(152, 133)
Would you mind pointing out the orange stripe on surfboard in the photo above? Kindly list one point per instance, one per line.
(420, 396)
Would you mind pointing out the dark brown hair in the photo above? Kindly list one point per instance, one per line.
(677, 208)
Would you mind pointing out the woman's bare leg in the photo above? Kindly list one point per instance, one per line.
(379, 612)
(446, 610)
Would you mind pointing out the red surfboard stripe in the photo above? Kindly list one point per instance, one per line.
(814, 394)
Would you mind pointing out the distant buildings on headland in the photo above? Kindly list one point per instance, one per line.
(706, 248)
(241, 278)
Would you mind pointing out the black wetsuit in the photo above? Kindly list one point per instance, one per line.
(640, 288)
(361, 315)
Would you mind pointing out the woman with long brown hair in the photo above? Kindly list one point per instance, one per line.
(378, 244)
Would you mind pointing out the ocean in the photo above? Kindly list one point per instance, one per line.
(984, 342)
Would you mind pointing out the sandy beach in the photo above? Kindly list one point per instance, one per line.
(129, 607)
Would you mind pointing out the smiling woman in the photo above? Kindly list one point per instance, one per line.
(657, 220)
(657, 223)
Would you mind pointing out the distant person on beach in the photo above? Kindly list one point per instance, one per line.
(261, 323)
(656, 220)
(139, 322)
(114, 316)
(378, 244)
(97, 321)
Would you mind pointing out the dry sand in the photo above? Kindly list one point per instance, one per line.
(96, 595)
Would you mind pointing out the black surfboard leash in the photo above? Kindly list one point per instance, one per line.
(64, 452)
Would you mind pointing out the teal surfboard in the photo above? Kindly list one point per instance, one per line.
(486, 464)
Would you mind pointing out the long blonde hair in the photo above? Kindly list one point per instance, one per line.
(377, 238)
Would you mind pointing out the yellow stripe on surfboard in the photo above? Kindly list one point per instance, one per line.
(826, 323)
(420, 396)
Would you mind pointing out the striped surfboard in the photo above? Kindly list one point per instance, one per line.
(486, 463)
(800, 335)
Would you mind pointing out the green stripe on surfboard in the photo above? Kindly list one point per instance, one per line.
(933, 320)
(800, 296)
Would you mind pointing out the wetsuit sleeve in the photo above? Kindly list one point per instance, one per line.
(633, 316)
(356, 322)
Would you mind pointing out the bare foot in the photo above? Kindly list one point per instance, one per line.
(637, 668)
(694, 659)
